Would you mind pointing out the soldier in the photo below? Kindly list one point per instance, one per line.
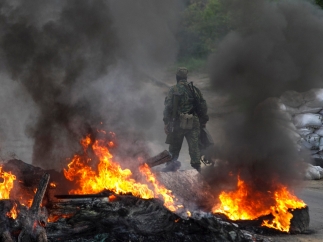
(184, 114)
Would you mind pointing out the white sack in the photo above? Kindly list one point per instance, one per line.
(307, 119)
(314, 152)
(307, 109)
(319, 131)
(317, 156)
(313, 139)
(307, 145)
(306, 131)
(314, 98)
(312, 173)
(302, 109)
(292, 99)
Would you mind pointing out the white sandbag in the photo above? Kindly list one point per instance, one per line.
(319, 131)
(317, 155)
(314, 152)
(281, 105)
(291, 110)
(292, 99)
(306, 131)
(320, 169)
(313, 139)
(306, 109)
(307, 120)
(307, 145)
(314, 98)
(302, 109)
(312, 173)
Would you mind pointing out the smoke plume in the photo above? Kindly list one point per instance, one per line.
(274, 47)
(86, 65)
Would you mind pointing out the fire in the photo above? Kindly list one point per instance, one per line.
(112, 198)
(53, 218)
(110, 176)
(52, 185)
(246, 203)
(6, 184)
(159, 190)
(13, 213)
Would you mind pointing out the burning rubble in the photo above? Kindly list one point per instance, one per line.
(105, 200)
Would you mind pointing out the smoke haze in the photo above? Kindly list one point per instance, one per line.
(275, 46)
(84, 65)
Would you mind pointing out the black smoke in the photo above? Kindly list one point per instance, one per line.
(84, 64)
(274, 46)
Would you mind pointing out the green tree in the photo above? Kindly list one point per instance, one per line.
(203, 24)
(319, 2)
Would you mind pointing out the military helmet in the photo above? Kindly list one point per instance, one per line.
(182, 72)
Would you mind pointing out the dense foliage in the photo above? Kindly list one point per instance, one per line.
(203, 24)
(319, 2)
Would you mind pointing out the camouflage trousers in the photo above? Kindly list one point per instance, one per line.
(192, 137)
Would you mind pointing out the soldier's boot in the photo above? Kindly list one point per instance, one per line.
(197, 167)
(172, 166)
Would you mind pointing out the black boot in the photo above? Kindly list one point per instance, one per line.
(172, 166)
(197, 167)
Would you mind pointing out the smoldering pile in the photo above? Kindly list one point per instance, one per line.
(103, 216)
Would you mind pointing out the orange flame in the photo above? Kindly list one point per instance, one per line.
(53, 218)
(52, 185)
(110, 176)
(7, 184)
(246, 203)
(160, 190)
(13, 213)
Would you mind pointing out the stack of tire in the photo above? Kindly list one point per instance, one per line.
(306, 111)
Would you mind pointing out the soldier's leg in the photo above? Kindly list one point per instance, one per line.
(176, 146)
(174, 149)
(192, 138)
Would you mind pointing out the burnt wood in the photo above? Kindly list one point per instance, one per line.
(159, 159)
(36, 218)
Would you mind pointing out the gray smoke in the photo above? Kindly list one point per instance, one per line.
(87, 65)
(275, 46)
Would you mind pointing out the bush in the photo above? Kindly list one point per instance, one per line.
(203, 24)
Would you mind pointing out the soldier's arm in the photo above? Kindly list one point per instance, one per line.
(168, 106)
(203, 109)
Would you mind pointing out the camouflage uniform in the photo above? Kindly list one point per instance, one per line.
(185, 105)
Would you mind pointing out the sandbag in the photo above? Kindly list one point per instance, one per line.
(292, 99)
(307, 120)
(302, 109)
(317, 155)
(314, 152)
(308, 145)
(306, 131)
(314, 98)
(319, 131)
(313, 139)
(312, 173)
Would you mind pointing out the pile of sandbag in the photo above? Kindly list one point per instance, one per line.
(314, 172)
(306, 110)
